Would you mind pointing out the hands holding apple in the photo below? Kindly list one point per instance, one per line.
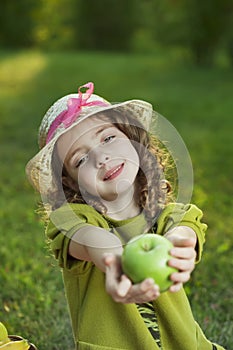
(147, 256)
(141, 282)
(122, 289)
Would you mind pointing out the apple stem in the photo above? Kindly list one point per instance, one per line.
(146, 247)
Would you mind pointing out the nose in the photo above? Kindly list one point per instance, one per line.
(101, 159)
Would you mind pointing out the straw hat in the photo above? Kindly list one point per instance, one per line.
(63, 115)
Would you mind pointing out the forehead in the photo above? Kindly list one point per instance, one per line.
(81, 134)
(84, 128)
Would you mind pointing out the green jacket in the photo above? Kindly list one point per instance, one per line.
(98, 322)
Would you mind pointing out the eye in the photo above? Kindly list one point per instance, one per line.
(82, 160)
(109, 138)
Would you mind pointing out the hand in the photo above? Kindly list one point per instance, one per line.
(184, 255)
(121, 288)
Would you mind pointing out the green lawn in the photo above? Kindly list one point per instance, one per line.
(199, 104)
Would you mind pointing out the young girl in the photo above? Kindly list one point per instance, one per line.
(102, 179)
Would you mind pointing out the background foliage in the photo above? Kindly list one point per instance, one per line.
(202, 28)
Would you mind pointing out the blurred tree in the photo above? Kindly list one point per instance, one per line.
(166, 19)
(207, 25)
(53, 24)
(105, 24)
(229, 48)
(16, 23)
(228, 40)
(198, 25)
(118, 25)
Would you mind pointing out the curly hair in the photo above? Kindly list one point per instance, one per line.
(152, 190)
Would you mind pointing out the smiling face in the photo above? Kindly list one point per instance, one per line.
(99, 159)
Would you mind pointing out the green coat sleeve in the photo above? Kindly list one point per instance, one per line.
(176, 214)
(62, 225)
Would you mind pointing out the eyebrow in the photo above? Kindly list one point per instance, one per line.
(96, 133)
(102, 128)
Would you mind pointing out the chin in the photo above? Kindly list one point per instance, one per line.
(109, 198)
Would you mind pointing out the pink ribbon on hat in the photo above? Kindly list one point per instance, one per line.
(68, 116)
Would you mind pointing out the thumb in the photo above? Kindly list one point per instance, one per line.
(108, 259)
(124, 286)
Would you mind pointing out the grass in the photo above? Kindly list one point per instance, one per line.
(198, 102)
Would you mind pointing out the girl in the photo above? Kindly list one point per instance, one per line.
(102, 179)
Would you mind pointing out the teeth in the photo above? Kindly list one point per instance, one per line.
(114, 171)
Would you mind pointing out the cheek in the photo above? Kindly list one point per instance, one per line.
(132, 156)
(126, 150)
(86, 178)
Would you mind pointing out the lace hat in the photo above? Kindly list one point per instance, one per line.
(63, 115)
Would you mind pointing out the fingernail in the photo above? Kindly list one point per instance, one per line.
(150, 281)
(122, 291)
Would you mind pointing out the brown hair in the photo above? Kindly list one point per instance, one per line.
(152, 189)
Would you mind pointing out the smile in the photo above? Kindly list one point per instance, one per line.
(114, 172)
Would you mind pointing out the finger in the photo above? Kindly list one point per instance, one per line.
(113, 264)
(108, 259)
(143, 298)
(144, 287)
(146, 290)
(176, 287)
(150, 296)
(124, 286)
(182, 265)
(151, 293)
(112, 273)
(183, 253)
(180, 277)
(110, 282)
(147, 284)
(184, 242)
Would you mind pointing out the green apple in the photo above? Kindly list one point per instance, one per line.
(146, 256)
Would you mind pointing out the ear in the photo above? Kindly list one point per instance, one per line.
(69, 182)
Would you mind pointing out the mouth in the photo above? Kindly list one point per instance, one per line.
(114, 172)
